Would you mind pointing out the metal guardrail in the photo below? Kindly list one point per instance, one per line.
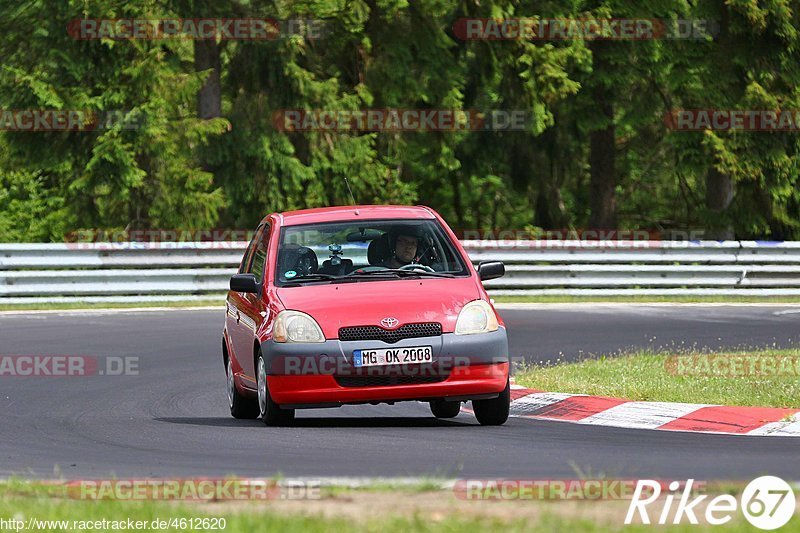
(136, 272)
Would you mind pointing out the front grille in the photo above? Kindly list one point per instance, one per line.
(387, 381)
(376, 333)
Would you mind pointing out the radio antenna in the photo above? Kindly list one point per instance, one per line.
(353, 198)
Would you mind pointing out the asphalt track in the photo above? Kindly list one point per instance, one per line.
(171, 419)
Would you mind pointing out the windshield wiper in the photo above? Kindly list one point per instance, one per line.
(356, 274)
(312, 277)
(400, 272)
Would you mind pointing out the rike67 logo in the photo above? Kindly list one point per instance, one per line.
(767, 502)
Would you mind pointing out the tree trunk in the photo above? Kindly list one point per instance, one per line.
(457, 206)
(719, 186)
(719, 195)
(209, 99)
(602, 150)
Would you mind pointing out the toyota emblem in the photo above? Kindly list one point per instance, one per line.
(389, 322)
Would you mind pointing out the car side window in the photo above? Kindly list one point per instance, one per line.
(248, 253)
(259, 259)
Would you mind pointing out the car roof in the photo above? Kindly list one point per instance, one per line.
(354, 212)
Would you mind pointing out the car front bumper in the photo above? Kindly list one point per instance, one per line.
(312, 375)
(464, 383)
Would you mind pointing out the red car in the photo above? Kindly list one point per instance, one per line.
(362, 304)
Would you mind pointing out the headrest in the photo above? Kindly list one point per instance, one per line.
(379, 250)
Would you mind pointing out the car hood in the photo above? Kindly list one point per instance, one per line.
(368, 302)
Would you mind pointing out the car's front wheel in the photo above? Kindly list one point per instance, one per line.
(269, 411)
(493, 412)
(445, 409)
(241, 406)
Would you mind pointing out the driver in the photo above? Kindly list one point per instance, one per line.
(404, 249)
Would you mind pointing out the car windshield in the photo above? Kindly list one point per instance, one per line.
(366, 250)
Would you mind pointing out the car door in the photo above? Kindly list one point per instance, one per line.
(240, 306)
(251, 308)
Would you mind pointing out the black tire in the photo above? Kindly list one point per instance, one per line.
(493, 412)
(445, 409)
(242, 407)
(269, 411)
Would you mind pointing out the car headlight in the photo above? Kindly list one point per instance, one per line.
(294, 326)
(476, 317)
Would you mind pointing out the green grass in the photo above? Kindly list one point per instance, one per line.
(644, 377)
(24, 500)
(424, 484)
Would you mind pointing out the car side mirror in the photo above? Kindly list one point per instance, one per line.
(244, 283)
(491, 270)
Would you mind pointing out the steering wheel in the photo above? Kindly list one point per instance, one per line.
(417, 266)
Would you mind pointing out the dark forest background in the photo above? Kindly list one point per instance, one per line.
(596, 153)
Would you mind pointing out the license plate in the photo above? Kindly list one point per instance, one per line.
(393, 356)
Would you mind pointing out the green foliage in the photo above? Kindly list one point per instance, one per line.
(166, 168)
(140, 172)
